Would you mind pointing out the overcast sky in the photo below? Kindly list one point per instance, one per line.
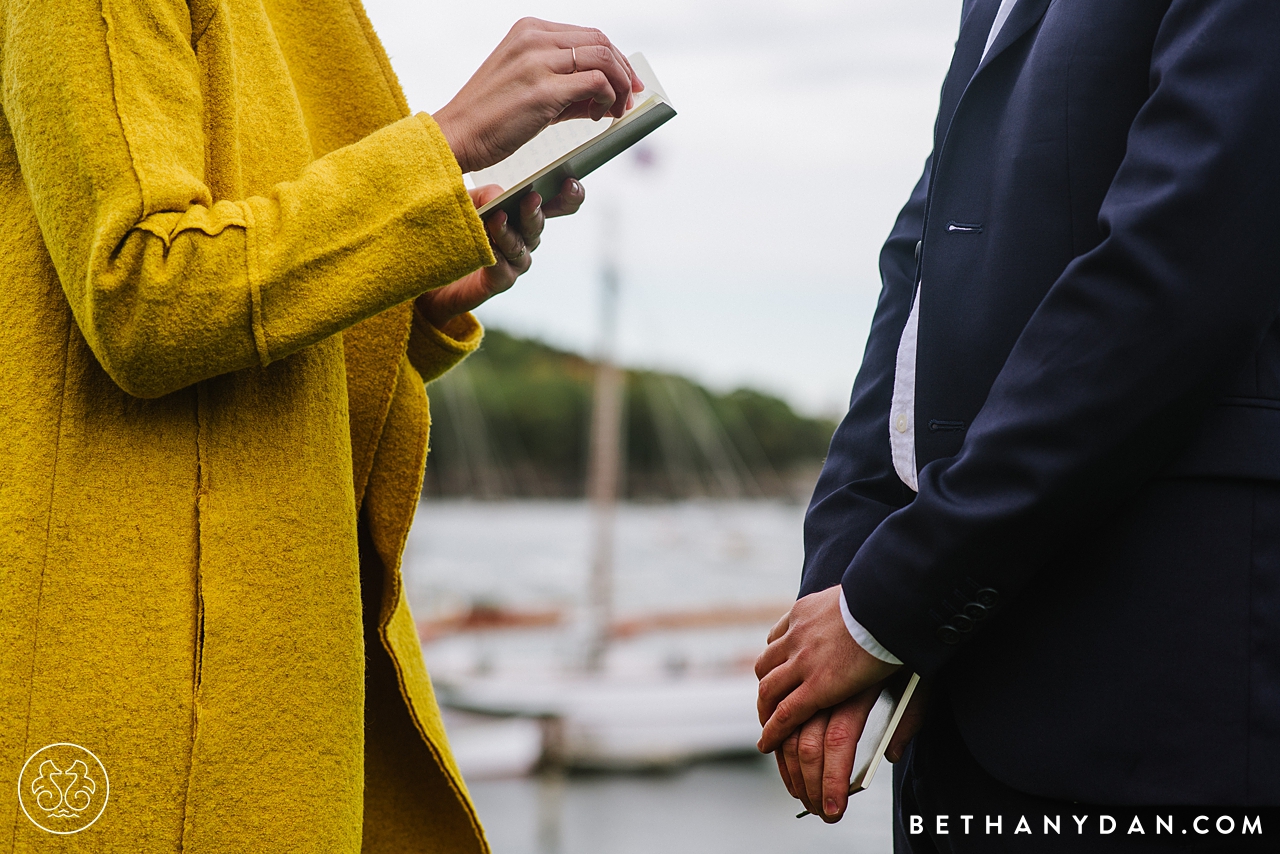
(749, 250)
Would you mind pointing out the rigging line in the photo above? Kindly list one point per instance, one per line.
(677, 454)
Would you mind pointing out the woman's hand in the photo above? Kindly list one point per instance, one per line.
(511, 246)
(541, 73)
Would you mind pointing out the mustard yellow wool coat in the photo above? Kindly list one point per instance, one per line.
(214, 216)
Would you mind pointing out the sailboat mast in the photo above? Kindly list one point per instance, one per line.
(604, 472)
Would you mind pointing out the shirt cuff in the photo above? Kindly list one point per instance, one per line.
(863, 638)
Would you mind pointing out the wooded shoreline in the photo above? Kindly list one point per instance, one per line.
(513, 421)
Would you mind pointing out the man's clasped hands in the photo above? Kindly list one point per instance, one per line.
(817, 687)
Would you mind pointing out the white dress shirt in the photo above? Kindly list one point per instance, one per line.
(902, 411)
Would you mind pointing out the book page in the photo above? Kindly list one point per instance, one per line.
(547, 147)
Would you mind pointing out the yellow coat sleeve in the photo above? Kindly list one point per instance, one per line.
(434, 352)
(168, 284)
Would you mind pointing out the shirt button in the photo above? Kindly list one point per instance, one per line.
(901, 422)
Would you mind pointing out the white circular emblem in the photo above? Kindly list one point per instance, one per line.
(63, 788)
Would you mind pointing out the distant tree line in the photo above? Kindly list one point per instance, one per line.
(514, 421)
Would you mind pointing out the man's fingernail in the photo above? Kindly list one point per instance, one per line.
(831, 806)
(575, 187)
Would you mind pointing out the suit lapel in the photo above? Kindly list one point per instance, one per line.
(1024, 16)
(973, 38)
(969, 62)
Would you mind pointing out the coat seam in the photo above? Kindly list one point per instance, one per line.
(115, 98)
(133, 164)
(44, 559)
(202, 492)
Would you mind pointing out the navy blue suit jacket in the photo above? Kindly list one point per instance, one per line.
(1091, 568)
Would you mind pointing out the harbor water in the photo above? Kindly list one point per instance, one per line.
(698, 583)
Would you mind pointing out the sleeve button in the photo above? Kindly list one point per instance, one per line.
(975, 612)
(987, 597)
(948, 635)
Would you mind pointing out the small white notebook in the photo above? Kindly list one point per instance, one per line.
(577, 147)
(881, 723)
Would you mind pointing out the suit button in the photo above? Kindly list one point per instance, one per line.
(987, 598)
(919, 250)
(962, 623)
(949, 635)
(975, 612)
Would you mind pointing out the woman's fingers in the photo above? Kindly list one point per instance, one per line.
(605, 59)
(587, 94)
(532, 220)
(588, 51)
(509, 246)
(576, 37)
(482, 195)
(567, 201)
(539, 74)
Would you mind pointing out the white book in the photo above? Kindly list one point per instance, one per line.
(575, 148)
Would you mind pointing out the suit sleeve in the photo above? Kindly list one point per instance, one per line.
(1125, 354)
(858, 486)
(169, 285)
